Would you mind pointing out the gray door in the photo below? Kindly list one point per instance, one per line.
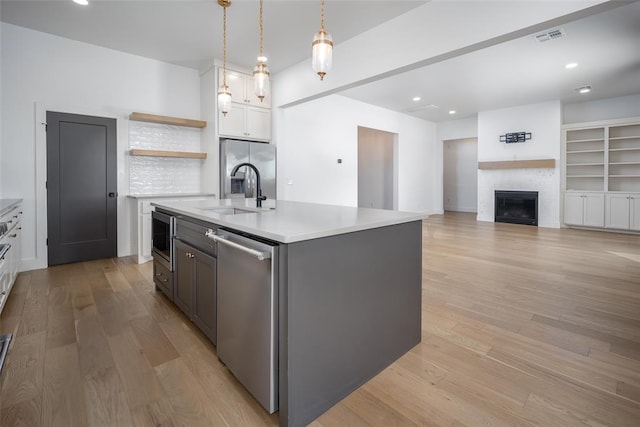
(81, 188)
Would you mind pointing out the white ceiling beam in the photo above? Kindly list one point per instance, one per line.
(434, 32)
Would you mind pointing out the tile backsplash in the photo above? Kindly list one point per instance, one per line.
(158, 175)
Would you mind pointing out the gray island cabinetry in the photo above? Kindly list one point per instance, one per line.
(346, 295)
(195, 282)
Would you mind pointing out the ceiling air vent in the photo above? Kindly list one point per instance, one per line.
(550, 35)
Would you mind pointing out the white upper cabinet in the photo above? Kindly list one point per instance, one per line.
(241, 88)
(248, 118)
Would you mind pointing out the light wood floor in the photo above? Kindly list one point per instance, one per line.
(521, 326)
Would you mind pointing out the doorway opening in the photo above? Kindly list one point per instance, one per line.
(377, 169)
(460, 175)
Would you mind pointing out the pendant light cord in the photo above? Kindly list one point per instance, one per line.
(322, 14)
(224, 46)
(261, 29)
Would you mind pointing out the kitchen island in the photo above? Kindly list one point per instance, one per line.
(348, 292)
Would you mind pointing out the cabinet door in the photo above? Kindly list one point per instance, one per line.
(617, 211)
(205, 289)
(573, 208)
(234, 123)
(236, 83)
(183, 288)
(15, 258)
(258, 123)
(594, 210)
(634, 212)
(163, 279)
(145, 237)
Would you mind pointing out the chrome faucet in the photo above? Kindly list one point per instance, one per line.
(259, 196)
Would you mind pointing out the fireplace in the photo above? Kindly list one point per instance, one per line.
(517, 207)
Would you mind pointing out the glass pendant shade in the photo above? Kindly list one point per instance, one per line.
(261, 80)
(224, 99)
(322, 53)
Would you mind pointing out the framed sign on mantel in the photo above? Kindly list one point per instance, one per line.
(510, 138)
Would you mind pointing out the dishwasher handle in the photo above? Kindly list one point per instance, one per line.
(221, 239)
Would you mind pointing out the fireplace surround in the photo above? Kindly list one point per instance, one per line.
(517, 207)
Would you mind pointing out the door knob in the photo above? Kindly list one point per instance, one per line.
(113, 194)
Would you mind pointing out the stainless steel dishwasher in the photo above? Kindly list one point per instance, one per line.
(248, 313)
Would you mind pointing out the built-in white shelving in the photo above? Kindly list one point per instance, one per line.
(601, 172)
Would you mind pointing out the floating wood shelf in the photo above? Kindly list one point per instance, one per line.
(519, 164)
(175, 121)
(158, 153)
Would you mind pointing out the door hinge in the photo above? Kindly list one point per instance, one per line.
(47, 241)
(46, 185)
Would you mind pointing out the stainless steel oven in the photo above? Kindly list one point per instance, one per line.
(163, 230)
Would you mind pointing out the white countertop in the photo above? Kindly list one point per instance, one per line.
(168, 196)
(8, 204)
(289, 222)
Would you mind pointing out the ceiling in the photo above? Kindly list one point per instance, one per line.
(522, 71)
(189, 32)
(517, 72)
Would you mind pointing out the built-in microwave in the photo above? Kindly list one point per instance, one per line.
(163, 229)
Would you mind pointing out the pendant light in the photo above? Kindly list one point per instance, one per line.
(261, 72)
(322, 48)
(224, 95)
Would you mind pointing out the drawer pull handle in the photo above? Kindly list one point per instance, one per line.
(13, 235)
(158, 274)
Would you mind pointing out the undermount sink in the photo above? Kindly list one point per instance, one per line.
(228, 211)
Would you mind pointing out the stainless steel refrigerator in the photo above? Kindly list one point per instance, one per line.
(260, 154)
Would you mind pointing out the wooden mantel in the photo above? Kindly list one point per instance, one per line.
(519, 164)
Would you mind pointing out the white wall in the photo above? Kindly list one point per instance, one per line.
(312, 136)
(460, 171)
(458, 129)
(544, 122)
(602, 109)
(44, 72)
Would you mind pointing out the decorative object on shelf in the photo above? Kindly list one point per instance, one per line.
(512, 137)
(322, 48)
(224, 95)
(261, 72)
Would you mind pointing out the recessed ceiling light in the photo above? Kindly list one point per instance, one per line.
(452, 111)
(571, 65)
(81, 2)
(416, 98)
(583, 89)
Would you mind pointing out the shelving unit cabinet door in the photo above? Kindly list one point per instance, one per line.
(183, 286)
(258, 123)
(205, 289)
(236, 83)
(234, 122)
(594, 210)
(573, 208)
(634, 212)
(617, 211)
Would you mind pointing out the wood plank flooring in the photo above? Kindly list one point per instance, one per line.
(521, 326)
